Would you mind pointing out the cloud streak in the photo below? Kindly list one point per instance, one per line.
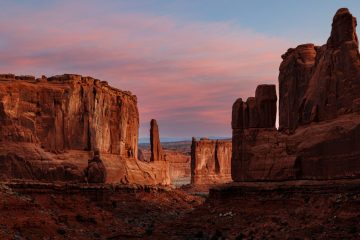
(185, 74)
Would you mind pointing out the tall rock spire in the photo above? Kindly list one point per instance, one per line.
(156, 149)
(343, 28)
(321, 83)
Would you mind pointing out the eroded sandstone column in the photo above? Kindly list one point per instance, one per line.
(156, 149)
(265, 97)
(248, 117)
(237, 124)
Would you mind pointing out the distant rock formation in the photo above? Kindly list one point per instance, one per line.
(177, 156)
(52, 125)
(179, 167)
(155, 145)
(157, 155)
(141, 156)
(319, 115)
(210, 161)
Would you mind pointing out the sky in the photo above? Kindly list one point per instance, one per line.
(187, 61)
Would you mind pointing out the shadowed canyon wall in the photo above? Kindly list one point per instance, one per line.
(319, 118)
(210, 161)
(321, 83)
(51, 126)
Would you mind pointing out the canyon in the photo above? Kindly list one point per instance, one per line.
(71, 166)
(51, 127)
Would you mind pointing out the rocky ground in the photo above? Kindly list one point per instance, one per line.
(44, 212)
(285, 210)
(301, 210)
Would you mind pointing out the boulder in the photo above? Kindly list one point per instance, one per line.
(95, 171)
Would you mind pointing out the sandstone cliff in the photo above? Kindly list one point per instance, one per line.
(210, 161)
(257, 114)
(50, 127)
(69, 112)
(319, 89)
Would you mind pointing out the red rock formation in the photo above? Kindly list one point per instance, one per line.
(258, 111)
(95, 171)
(295, 72)
(248, 118)
(210, 161)
(326, 150)
(70, 112)
(155, 145)
(321, 83)
(157, 156)
(317, 85)
(177, 155)
(57, 122)
(265, 102)
(179, 167)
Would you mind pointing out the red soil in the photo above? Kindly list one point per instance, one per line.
(288, 210)
(43, 213)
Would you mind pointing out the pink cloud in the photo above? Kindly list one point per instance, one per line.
(185, 74)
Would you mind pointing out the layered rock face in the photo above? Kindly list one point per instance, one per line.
(321, 83)
(50, 127)
(319, 116)
(210, 161)
(179, 167)
(256, 115)
(69, 112)
(258, 111)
